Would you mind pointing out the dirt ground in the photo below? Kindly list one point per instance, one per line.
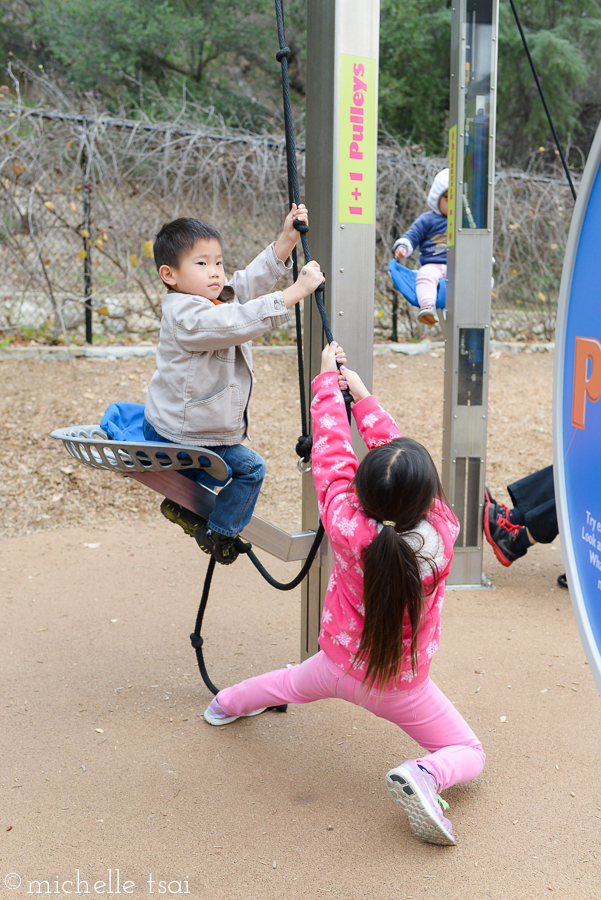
(109, 772)
(43, 489)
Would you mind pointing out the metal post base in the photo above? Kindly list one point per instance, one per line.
(485, 585)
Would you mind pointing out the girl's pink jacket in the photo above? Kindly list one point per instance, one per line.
(350, 531)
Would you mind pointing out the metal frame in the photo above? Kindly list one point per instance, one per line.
(467, 325)
(344, 246)
(564, 513)
(159, 466)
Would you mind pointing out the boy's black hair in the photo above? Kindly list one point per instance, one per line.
(178, 237)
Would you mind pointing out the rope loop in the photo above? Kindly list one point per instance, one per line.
(304, 466)
(284, 52)
(303, 447)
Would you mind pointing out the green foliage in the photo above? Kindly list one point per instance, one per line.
(564, 64)
(415, 39)
(565, 42)
(136, 53)
(117, 48)
(147, 53)
(14, 37)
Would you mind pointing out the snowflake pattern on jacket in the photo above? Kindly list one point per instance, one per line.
(350, 531)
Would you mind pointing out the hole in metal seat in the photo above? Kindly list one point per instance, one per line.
(144, 459)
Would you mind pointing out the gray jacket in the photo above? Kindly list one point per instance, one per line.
(200, 392)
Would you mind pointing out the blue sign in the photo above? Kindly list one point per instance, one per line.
(577, 411)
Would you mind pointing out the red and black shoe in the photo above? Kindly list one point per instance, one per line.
(508, 540)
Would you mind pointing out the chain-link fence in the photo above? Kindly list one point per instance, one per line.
(81, 199)
(82, 195)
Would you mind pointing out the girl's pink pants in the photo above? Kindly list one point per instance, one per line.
(426, 283)
(423, 712)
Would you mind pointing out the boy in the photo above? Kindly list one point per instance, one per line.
(200, 392)
(429, 232)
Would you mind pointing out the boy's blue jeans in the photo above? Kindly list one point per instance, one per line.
(236, 501)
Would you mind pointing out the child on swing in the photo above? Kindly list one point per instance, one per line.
(392, 535)
(200, 391)
(429, 232)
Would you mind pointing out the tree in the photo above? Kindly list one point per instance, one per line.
(131, 52)
(564, 40)
(134, 53)
(415, 39)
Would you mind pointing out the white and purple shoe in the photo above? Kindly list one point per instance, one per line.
(415, 790)
(214, 715)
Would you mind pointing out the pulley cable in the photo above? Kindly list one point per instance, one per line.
(544, 101)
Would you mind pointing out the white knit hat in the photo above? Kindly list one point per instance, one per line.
(439, 186)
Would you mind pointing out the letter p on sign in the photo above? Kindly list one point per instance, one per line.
(586, 383)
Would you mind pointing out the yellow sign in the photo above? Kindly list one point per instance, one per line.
(452, 186)
(357, 151)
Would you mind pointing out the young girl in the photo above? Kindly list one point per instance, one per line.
(429, 232)
(392, 538)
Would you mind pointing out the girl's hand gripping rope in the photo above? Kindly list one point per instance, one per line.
(332, 360)
(332, 357)
(350, 381)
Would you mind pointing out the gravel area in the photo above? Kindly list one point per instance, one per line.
(43, 488)
(107, 765)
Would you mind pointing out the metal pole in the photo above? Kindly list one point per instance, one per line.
(470, 242)
(342, 92)
(86, 192)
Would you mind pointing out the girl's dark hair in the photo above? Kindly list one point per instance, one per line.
(398, 483)
(178, 237)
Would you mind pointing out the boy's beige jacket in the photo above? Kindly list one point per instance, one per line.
(200, 392)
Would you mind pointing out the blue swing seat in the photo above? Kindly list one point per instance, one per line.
(404, 281)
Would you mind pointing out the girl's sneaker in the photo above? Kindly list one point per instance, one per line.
(214, 715)
(415, 790)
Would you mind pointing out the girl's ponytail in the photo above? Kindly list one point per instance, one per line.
(396, 485)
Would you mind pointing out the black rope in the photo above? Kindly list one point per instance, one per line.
(542, 96)
(300, 226)
(303, 447)
(290, 585)
(195, 638)
(293, 182)
(305, 441)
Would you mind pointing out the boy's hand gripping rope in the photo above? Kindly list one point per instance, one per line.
(303, 446)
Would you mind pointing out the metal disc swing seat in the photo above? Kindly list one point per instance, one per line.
(92, 446)
(162, 466)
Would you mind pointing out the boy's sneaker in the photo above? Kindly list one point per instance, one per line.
(428, 316)
(181, 516)
(221, 546)
(415, 790)
(508, 540)
(214, 715)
